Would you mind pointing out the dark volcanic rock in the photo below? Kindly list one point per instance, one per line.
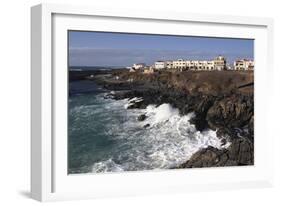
(235, 111)
(147, 125)
(201, 105)
(136, 105)
(207, 157)
(251, 128)
(142, 117)
(228, 111)
(240, 152)
(222, 113)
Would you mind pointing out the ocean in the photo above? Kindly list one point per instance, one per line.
(105, 136)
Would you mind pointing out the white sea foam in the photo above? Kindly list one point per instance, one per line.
(161, 113)
(136, 99)
(132, 101)
(107, 166)
(168, 140)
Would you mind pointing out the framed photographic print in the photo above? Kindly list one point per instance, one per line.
(137, 102)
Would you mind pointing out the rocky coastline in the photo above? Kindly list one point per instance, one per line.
(225, 106)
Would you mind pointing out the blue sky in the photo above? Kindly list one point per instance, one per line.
(120, 49)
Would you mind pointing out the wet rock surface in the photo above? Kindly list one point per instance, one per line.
(230, 112)
(239, 153)
(142, 117)
(232, 116)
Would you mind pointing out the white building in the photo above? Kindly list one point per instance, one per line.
(179, 64)
(210, 65)
(169, 64)
(138, 66)
(160, 65)
(203, 65)
(244, 64)
(217, 64)
(220, 63)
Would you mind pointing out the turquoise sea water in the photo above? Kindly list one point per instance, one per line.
(104, 136)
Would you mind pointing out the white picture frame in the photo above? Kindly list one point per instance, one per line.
(49, 180)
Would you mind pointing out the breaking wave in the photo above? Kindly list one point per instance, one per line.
(165, 139)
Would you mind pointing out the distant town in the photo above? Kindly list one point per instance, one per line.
(217, 64)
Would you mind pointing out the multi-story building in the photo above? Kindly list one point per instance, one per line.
(244, 64)
(169, 64)
(210, 65)
(204, 65)
(160, 65)
(220, 63)
(190, 64)
(179, 64)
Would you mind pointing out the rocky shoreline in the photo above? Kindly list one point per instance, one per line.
(230, 113)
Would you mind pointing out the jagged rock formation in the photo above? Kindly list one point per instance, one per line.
(217, 101)
(230, 112)
(240, 152)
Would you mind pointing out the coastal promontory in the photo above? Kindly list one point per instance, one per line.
(221, 100)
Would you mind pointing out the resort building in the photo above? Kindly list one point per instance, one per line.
(217, 64)
(210, 65)
(160, 65)
(179, 64)
(169, 64)
(138, 66)
(244, 64)
(220, 63)
(200, 65)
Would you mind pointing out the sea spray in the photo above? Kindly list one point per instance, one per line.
(161, 113)
(132, 102)
(169, 140)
